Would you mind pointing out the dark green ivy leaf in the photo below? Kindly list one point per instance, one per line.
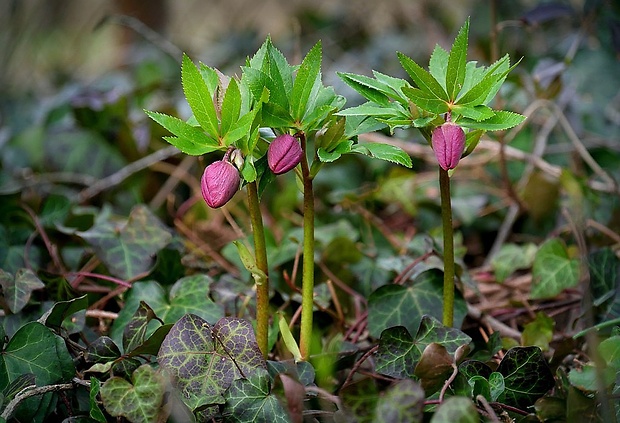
(250, 400)
(527, 376)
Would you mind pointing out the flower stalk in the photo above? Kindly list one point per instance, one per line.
(307, 287)
(260, 252)
(448, 248)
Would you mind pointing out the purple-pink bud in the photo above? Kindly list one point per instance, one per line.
(284, 153)
(220, 181)
(448, 143)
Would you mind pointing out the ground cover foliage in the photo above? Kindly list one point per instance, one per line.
(126, 298)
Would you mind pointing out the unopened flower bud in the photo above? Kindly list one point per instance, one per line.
(448, 144)
(284, 153)
(220, 181)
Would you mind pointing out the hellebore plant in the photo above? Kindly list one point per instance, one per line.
(282, 98)
(295, 101)
(448, 104)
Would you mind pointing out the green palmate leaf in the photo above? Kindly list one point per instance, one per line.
(399, 352)
(426, 101)
(17, 290)
(199, 97)
(438, 65)
(390, 153)
(456, 410)
(484, 90)
(231, 107)
(473, 75)
(189, 139)
(477, 113)
(393, 86)
(480, 386)
(139, 401)
(369, 88)
(249, 400)
(455, 73)
(128, 248)
(424, 80)
(500, 121)
(553, 270)
(398, 305)
(35, 349)
(204, 359)
(403, 402)
(341, 148)
(527, 376)
(187, 295)
(307, 75)
(240, 129)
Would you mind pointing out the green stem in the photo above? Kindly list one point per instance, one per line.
(448, 248)
(307, 285)
(260, 251)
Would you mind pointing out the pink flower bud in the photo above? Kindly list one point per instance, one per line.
(448, 143)
(220, 181)
(284, 154)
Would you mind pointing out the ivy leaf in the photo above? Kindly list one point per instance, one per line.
(128, 248)
(387, 152)
(423, 79)
(500, 121)
(187, 295)
(35, 349)
(62, 310)
(455, 73)
(204, 360)
(95, 412)
(398, 305)
(307, 75)
(512, 257)
(199, 97)
(604, 268)
(403, 402)
(139, 401)
(527, 376)
(539, 332)
(18, 289)
(135, 331)
(249, 400)
(497, 385)
(399, 352)
(456, 410)
(553, 270)
(102, 350)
